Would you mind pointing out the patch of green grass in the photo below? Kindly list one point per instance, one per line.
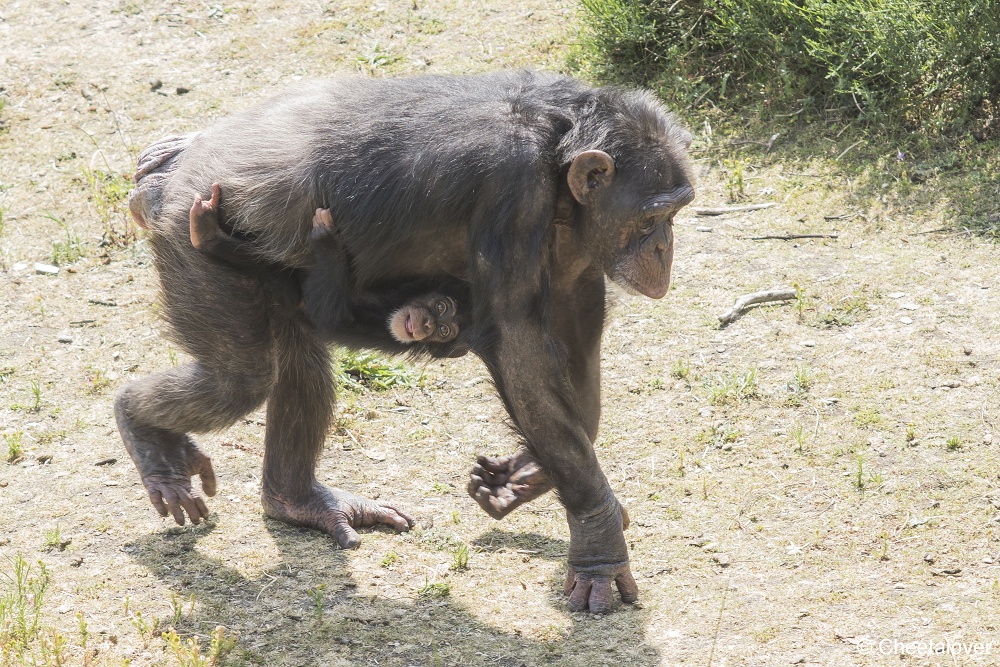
(434, 591)
(109, 196)
(97, 381)
(804, 377)
(377, 59)
(681, 369)
(365, 370)
(53, 540)
(22, 594)
(954, 443)
(460, 557)
(799, 437)
(733, 388)
(867, 418)
(187, 652)
(15, 445)
(317, 594)
(389, 559)
(67, 250)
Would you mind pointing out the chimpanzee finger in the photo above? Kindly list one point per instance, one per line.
(215, 196)
(207, 475)
(627, 587)
(156, 498)
(625, 519)
(494, 464)
(390, 516)
(170, 498)
(190, 503)
(601, 599)
(580, 595)
(410, 521)
(570, 580)
(346, 536)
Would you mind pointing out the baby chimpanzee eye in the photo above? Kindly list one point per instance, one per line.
(441, 307)
(444, 331)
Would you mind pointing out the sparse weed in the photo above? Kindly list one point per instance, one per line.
(53, 539)
(21, 596)
(911, 434)
(109, 195)
(68, 250)
(377, 58)
(455, 518)
(147, 629)
(15, 445)
(733, 388)
(735, 186)
(188, 652)
(803, 378)
(36, 396)
(954, 443)
(317, 595)
(460, 557)
(390, 559)
(436, 590)
(859, 474)
(798, 433)
(361, 370)
(681, 369)
(97, 381)
(867, 417)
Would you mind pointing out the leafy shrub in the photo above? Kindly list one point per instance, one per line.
(925, 64)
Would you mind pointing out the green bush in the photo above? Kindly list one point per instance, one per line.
(930, 65)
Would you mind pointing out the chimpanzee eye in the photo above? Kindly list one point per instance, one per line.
(444, 331)
(441, 307)
(647, 226)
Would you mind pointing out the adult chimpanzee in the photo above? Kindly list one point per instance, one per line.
(528, 187)
(324, 294)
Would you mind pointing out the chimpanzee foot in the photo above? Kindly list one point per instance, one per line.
(502, 484)
(335, 512)
(166, 462)
(593, 591)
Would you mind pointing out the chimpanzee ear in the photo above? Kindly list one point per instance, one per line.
(590, 171)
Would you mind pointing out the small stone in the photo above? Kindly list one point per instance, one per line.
(706, 411)
(47, 269)
(110, 482)
(909, 306)
(896, 295)
(181, 90)
(155, 84)
(65, 337)
(988, 439)
(20, 266)
(721, 559)
(703, 229)
(44, 458)
(928, 558)
(808, 343)
(106, 462)
(294, 615)
(906, 320)
(720, 350)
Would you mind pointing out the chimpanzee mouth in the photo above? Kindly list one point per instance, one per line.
(408, 325)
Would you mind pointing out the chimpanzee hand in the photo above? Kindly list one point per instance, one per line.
(336, 512)
(503, 483)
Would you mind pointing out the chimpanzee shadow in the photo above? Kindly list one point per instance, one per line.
(283, 619)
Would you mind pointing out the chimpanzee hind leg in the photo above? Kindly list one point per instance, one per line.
(298, 415)
(222, 319)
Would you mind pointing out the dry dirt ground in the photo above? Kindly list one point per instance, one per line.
(814, 484)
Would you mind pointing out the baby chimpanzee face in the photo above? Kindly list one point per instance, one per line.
(430, 318)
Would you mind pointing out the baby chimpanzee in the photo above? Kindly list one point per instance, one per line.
(429, 317)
